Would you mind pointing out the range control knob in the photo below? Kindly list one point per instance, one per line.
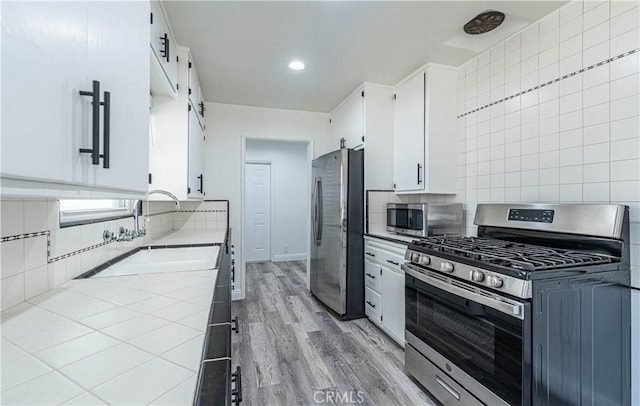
(425, 260)
(477, 276)
(494, 281)
(446, 267)
(415, 257)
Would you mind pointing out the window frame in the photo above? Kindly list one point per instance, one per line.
(76, 217)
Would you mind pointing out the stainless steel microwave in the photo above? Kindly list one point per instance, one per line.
(424, 219)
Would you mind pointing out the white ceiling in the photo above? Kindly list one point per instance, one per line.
(242, 49)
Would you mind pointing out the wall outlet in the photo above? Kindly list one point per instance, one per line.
(285, 249)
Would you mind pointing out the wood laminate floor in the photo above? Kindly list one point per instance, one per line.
(293, 351)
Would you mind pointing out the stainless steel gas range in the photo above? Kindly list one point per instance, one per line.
(535, 310)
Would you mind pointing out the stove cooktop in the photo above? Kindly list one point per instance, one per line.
(501, 254)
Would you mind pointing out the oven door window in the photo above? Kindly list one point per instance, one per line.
(408, 219)
(483, 342)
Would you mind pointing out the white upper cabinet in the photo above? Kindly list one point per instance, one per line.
(176, 149)
(366, 118)
(164, 56)
(196, 155)
(51, 132)
(195, 93)
(128, 89)
(408, 135)
(347, 121)
(424, 136)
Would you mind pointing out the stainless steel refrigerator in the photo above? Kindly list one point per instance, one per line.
(337, 224)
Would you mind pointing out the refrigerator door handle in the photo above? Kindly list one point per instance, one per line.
(320, 210)
(316, 211)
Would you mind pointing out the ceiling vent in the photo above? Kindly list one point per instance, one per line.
(484, 22)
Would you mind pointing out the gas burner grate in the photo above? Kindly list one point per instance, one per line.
(509, 254)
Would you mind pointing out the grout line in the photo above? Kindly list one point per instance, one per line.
(568, 75)
(25, 236)
(56, 369)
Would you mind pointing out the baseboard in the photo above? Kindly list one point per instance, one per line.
(289, 257)
(236, 294)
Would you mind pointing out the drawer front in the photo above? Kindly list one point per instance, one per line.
(371, 253)
(392, 261)
(438, 383)
(372, 304)
(372, 275)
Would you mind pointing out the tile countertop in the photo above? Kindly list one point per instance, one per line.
(398, 239)
(134, 339)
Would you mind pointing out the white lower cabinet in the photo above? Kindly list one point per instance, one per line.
(384, 286)
(372, 275)
(372, 304)
(392, 290)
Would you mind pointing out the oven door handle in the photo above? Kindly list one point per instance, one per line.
(510, 307)
(448, 388)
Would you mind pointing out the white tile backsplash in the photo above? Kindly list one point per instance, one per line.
(30, 265)
(576, 140)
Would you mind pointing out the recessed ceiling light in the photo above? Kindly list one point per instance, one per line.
(296, 65)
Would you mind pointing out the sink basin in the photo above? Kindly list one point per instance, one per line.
(164, 260)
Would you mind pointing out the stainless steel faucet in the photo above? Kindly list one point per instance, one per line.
(171, 195)
(137, 231)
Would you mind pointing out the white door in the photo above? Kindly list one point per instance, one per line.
(257, 209)
(408, 134)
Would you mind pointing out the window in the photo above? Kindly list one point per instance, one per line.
(75, 212)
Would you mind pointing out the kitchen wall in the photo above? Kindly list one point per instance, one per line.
(291, 189)
(552, 115)
(37, 255)
(223, 163)
(211, 214)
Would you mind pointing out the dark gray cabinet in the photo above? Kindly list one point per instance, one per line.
(578, 343)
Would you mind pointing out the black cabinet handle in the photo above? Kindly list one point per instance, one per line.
(95, 130)
(370, 254)
(371, 304)
(233, 274)
(201, 177)
(107, 129)
(370, 276)
(201, 104)
(236, 326)
(165, 46)
(236, 394)
(392, 262)
(419, 180)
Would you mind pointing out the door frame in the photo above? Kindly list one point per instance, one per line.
(271, 209)
(309, 142)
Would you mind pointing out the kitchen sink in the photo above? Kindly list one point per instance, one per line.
(164, 260)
